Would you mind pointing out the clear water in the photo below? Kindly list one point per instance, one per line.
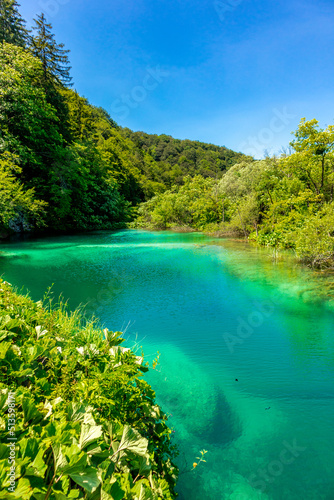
(217, 311)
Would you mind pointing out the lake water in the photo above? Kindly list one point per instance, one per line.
(246, 342)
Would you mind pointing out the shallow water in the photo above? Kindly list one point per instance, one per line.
(217, 311)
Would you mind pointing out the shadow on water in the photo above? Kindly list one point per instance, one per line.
(224, 426)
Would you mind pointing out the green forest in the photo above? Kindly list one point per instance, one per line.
(65, 164)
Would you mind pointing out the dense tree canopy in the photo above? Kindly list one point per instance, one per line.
(283, 202)
(88, 171)
(78, 170)
(72, 178)
(195, 204)
(178, 158)
(18, 207)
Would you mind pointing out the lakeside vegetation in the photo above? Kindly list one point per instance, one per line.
(86, 421)
(282, 202)
(66, 165)
(69, 165)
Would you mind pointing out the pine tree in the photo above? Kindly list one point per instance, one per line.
(53, 56)
(12, 25)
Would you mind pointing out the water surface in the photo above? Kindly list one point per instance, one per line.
(246, 343)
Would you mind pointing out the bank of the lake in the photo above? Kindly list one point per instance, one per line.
(247, 351)
(77, 420)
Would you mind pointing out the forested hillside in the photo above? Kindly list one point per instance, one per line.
(283, 202)
(177, 158)
(64, 163)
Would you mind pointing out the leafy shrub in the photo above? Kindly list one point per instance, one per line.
(87, 425)
(194, 204)
(314, 243)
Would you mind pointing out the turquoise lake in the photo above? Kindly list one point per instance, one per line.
(247, 349)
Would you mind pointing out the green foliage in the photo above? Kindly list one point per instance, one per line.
(76, 180)
(12, 26)
(170, 160)
(289, 200)
(284, 202)
(29, 125)
(86, 423)
(53, 56)
(89, 172)
(314, 242)
(240, 185)
(313, 160)
(17, 206)
(80, 171)
(195, 203)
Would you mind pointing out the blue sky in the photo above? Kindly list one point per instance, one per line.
(237, 73)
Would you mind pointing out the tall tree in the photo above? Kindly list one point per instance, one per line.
(54, 58)
(313, 156)
(55, 74)
(12, 25)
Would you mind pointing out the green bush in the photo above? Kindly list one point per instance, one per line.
(86, 423)
(194, 204)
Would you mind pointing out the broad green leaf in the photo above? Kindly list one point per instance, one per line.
(76, 412)
(3, 451)
(132, 441)
(30, 412)
(88, 479)
(38, 465)
(60, 459)
(2, 424)
(23, 490)
(89, 434)
(89, 419)
(3, 399)
(97, 451)
(144, 465)
(3, 335)
(4, 347)
(59, 495)
(143, 492)
(72, 494)
(29, 447)
(78, 461)
(112, 492)
(106, 496)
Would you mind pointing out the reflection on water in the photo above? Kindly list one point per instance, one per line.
(247, 350)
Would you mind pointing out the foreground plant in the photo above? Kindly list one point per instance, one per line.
(81, 421)
(200, 459)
